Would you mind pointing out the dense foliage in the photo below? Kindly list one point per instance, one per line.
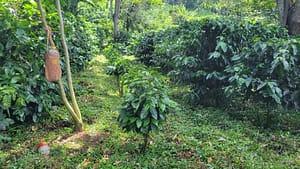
(219, 58)
(24, 92)
(248, 68)
(192, 138)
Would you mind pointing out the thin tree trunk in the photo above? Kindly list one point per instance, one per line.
(74, 7)
(289, 14)
(68, 67)
(78, 122)
(145, 144)
(116, 19)
(283, 8)
(294, 19)
(77, 119)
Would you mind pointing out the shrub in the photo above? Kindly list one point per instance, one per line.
(118, 68)
(146, 104)
(218, 58)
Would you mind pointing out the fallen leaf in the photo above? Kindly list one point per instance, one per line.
(209, 159)
(34, 128)
(105, 157)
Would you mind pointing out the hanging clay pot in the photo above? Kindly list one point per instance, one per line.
(52, 65)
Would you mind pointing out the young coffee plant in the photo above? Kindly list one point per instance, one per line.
(146, 104)
(118, 68)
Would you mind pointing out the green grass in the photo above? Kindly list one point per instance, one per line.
(192, 138)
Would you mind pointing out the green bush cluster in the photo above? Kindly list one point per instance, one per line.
(24, 92)
(220, 58)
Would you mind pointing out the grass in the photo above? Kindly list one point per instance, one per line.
(192, 138)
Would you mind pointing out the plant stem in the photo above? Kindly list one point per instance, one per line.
(145, 144)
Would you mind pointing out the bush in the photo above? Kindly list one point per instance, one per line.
(146, 104)
(118, 68)
(218, 58)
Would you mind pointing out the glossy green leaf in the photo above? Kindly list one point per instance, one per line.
(139, 123)
(144, 113)
(153, 112)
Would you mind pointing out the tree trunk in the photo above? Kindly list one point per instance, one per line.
(116, 20)
(289, 14)
(78, 122)
(293, 20)
(74, 6)
(283, 8)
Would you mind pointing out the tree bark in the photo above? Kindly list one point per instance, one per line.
(289, 14)
(116, 19)
(293, 20)
(283, 8)
(79, 123)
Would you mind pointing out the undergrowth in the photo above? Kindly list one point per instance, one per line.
(193, 137)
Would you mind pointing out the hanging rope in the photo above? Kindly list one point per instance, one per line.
(46, 27)
(49, 38)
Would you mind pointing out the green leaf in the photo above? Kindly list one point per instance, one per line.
(6, 101)
(9, 44)
(154, 122)
(295, 50)
(153, 112)
(162, 116)
(223, 46)
(278, 91)
(146, 122)
(15, 79)
(5, 122)
(162, 107)
(263, 46)
(261, 85)
(286, 65)
(235, 57)
(154, 128)
(215, 55)
(20, 34)
(20, 102)
(138, 123)
(34, 117)
(144, 112)
(248, 81)
(40, 107)
(135, 104)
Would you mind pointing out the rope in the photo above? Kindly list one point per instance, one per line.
(46, 27)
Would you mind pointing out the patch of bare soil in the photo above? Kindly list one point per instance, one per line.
(84, 138)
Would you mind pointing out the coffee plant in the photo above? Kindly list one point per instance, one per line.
(220, 58)
(118, 68)
(146, 103)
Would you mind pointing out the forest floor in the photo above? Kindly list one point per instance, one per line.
(192, 137)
